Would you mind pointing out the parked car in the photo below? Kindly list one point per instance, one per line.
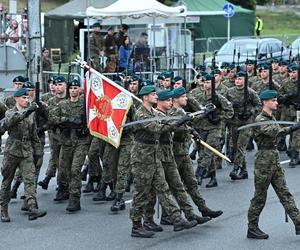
(295, 47)
(267, 47)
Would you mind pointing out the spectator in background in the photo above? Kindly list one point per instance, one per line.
(46, 65)
(124, 55)
(111, 50)
(120, 36)
(258, 26)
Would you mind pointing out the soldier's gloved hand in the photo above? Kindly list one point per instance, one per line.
(183, 120)
(30, 109)
(196, 135)
(214, 119)
(294, 127)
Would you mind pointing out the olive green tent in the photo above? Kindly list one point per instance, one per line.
(214, 24)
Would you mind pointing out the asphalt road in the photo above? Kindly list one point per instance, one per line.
(95, 227)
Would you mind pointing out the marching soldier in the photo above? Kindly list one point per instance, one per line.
(267, 169)
(52, 89)
(229, 82)
(252, 78)
(19, 150)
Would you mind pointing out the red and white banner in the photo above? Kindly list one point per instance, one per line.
(107, 105)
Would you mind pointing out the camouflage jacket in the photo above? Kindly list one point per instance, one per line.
(46, 97)
(287, 98)
(252, 106)
(260, 85)
(22, 136)
(71, 132)
(10, 102)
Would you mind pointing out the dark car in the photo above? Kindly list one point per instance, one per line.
(267, 48)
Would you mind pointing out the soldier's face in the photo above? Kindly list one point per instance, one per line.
(232, 73)
(293, 74)
(181, 100)
(18, 85)
(207, 85)
(178, 84)
(22, 101)
(167, 83)
(61, 87)
(218, 77)
(166, 104)
(133, 87)
(74, 91)
(151, 98)
(31, 93)
(224, 71)
(264, 74)
(271, 104)
(250, 67)
(52, 87)
(283, 69)
(239, 82)
(275, 66)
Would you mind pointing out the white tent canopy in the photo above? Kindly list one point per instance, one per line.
(136, 9)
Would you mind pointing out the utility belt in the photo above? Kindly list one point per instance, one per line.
(267, 148)
(20, 138)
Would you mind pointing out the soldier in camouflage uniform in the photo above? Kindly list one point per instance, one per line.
(70, 117)
(19, 149)
(275, 68)
(52, 89)
(244, 113)
(210, 129)
(55, 146)
(252, 78)
(224, 71)
(289, 98)
(147, 170)
(229, 82)
(267, 169)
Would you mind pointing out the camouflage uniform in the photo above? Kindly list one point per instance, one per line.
(252, 79)
(267, 171)
(148, 173)
(260, 85)
(19, 148)
(75, 140)
(95, 153)
(96, 45)
(240, 138)
(10, 102)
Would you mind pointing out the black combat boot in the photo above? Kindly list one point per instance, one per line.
(213, 180)
(243, 174)
(152, 226)
(128, 183)
(256, 233)
(294, 155)
(34, 213)
(89, 186)
(297, 229)
(193, 154)
(281, 146)
(74, 205)
(62, 194)
(112, 194)
(207, 212)
(84, 173)
(44, 183)
(181, 224)
(101, 195)
(165, 219)
(250, 145)
(4, 214)
(199, 219)
(139, 231)
(119, 203)
(14, 190)
(233, 174)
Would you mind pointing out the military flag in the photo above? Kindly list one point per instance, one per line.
(107, 105)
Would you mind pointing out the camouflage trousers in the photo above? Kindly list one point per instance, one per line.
(71, 160)
(207, 159)
(268, 172)
(96, 151)
(8, 170)
(55, 147)
(149, 181)
(177, 190)
(186, 171)
(39, 156)
(110, 164)
(240, 140)
(124, 167)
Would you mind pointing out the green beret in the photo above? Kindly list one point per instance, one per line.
(241, 74)
(286, 63)
(59, 79)
(216, 72)
(126, 72)
(274, 60)
(160, 77)
(264, 66)
(231, 66)
(145, 90)
(249, 61)
(97, 25)
(146, 82)
(74, 82)
(178, 92)
(268, 94)
(224, 65)
(166, 74)
(177, 78)
(206, 77)
(201, 68)
(135, 78)
(52, 78)
(21, 92)
(292, 67)
(19, 79)
(164, 95)
(29, 85)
